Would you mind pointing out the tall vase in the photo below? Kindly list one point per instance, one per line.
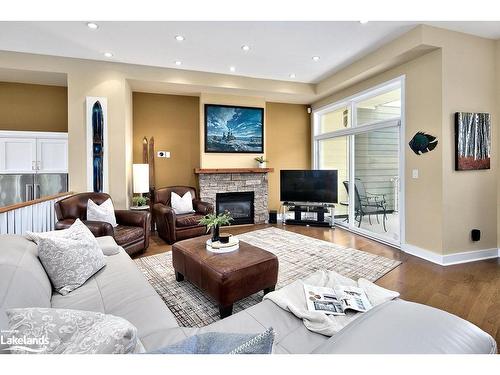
(215, 233)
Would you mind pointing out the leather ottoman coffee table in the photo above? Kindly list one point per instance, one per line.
(226, 277)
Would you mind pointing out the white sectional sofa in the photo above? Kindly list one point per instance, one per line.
(120, 289)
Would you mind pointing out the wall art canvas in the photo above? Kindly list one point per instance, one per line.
(97, 145)
(473, 141)
(230, 129)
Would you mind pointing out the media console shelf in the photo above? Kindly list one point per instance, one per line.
(317, 210)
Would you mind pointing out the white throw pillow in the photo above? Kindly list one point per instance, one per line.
(70, 261)
(63, 331)
(73, 232)
(104, 212)
(182, 205)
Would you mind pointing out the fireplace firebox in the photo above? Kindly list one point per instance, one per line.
(240, 205)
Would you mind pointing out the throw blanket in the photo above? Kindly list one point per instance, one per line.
(292, 299)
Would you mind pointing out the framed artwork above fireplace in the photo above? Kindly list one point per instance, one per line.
(232, 129)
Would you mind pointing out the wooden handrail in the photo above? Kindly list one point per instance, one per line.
(35, 201)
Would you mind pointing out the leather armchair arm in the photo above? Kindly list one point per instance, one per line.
(140, 219)
(203, 208)
(165, 217)
(98, 228)
(132, 218)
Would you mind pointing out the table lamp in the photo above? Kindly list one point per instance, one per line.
(140, 175)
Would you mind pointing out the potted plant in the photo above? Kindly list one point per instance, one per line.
(139, 201)
(214, 221)
(261, 161)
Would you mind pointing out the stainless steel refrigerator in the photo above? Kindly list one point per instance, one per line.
(17, 188)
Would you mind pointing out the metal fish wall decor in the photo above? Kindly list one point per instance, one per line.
(422, 143)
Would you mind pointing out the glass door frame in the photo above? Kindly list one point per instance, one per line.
(350, 132)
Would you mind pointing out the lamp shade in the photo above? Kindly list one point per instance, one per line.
(140, 175)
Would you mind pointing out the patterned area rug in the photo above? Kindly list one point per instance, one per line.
(298, 257)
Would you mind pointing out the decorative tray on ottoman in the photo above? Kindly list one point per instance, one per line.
(219, 247)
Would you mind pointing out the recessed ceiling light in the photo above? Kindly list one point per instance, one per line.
(292, 75)
(315, 58)
(245, 48)
(363, 22)
(108, 54)
(178, 63)
(232, 68)
(179, 38)
(92, 25)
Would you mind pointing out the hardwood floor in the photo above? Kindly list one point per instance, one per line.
(470, 290)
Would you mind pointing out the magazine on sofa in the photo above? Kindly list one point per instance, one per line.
(336, 301)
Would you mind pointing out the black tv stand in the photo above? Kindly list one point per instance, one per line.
(299, 208)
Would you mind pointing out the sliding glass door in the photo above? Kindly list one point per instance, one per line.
(360, 137)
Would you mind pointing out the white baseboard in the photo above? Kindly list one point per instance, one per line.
(470, 256)
(450, 259)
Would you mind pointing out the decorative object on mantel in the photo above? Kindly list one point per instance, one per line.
(422, 143)
(97, 144)
(472, 141)
(232, 129)
(261, 162)
(213, 222)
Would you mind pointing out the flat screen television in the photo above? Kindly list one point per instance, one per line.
(314, 186)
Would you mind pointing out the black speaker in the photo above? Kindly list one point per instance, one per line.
(273, 217)
(475, 235)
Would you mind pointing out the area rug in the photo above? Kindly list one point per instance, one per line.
(298, 257)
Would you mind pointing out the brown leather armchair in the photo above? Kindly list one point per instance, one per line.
(172, 227)
(132, 232)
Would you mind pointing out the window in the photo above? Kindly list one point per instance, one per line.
(360, 137)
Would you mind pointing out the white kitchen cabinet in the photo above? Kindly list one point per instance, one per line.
(17, 155)
(33, 152)
(52, 155)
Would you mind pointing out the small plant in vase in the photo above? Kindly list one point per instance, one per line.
(261, 161)
(214, 222)
(139, 201)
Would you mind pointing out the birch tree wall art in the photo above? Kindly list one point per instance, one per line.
(473, 141)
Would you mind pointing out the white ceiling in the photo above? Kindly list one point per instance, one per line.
(278, 49)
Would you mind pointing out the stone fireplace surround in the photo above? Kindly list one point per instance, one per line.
(213, 181)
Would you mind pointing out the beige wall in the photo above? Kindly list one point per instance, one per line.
(468, 196)
(28, 107)
(216, 160)
(288, 143)
(423, 113)
(83, 81)
(174, 123)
